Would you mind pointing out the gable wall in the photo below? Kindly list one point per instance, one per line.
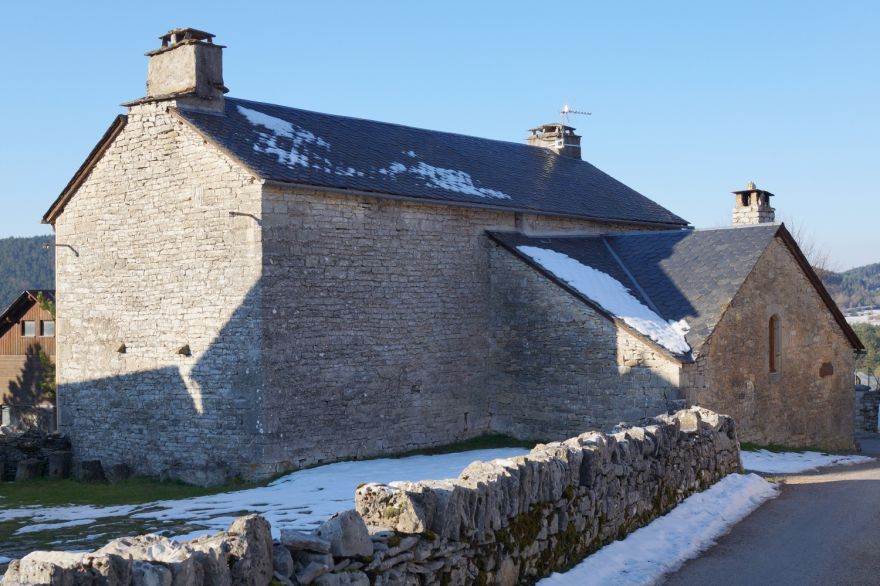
(377, 318)
(797, 406)
(560, 367)
(161, 264)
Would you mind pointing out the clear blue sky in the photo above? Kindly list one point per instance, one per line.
(690, 100)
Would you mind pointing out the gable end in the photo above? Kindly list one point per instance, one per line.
(785, 236)
(109, 136)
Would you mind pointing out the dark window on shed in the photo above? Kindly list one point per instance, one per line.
(47, 328)
(28, 328)
(774, 353)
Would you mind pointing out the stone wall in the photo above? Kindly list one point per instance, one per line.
(866, 404)
(377, 313)
(502, 522)
(159, 337)
(183, 328)
(809, 401)
(559, 366)
(32, 454)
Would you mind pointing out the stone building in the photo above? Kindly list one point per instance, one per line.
(283, 287)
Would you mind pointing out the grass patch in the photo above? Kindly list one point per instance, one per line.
(488, 441)
(133, 491)
(777, 448)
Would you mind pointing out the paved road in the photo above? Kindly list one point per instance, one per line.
(824, 528)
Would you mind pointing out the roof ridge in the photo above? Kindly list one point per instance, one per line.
(407, 126)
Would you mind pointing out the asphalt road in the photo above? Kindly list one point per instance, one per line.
(824, 528)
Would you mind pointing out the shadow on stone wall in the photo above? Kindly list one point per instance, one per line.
(196, 420)
(560, 366)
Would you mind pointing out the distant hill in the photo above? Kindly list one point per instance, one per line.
(25, 264)
(856, 287)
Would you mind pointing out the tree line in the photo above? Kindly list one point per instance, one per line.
(25, 263)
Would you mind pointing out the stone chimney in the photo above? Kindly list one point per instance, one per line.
(558, 138)
(752, 206)
(188, 65)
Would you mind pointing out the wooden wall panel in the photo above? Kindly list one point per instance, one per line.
(12, 342)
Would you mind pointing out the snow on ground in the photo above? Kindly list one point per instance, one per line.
(791, 462)
(299, 500)
(645, 555)
(611, 294)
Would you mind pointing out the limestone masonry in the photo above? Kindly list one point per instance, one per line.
(502, 522)
(245, 289)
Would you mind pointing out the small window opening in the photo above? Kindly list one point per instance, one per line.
(29, 328)
(47, 328)
(745, 199)
(774, 353)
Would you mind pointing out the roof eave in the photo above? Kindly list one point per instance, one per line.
(469, 205)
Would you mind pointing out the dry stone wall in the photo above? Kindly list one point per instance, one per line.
(502, 522)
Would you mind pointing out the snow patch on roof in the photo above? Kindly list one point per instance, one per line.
(613, 297)
(276, 134)
(298, 153)
(438, 177)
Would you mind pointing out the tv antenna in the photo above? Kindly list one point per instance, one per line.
(567, 111)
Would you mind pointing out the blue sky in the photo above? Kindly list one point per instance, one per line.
(690, 100)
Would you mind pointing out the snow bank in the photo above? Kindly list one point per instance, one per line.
(612, 296)
(644, 556)
(792, 462)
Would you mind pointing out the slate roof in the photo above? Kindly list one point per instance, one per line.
(301, 147)
(680, 274)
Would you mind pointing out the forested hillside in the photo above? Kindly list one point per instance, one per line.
(855, 287)
(25, 264)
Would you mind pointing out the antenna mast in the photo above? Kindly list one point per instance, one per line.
(567, 111)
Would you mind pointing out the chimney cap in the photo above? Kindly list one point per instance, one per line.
(552, 127)
(752, 188)
(181, 36)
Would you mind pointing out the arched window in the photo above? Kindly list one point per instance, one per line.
(774, 349)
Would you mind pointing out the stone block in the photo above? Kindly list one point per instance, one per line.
(298, 540)
(282, 561)
(89, 471)
(347, 534)
(251, 552)
(29, 469)
(211, 555)
(117, 472)
(59, 464)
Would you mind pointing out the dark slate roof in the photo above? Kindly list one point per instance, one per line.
(337, 152)
(680, 274)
